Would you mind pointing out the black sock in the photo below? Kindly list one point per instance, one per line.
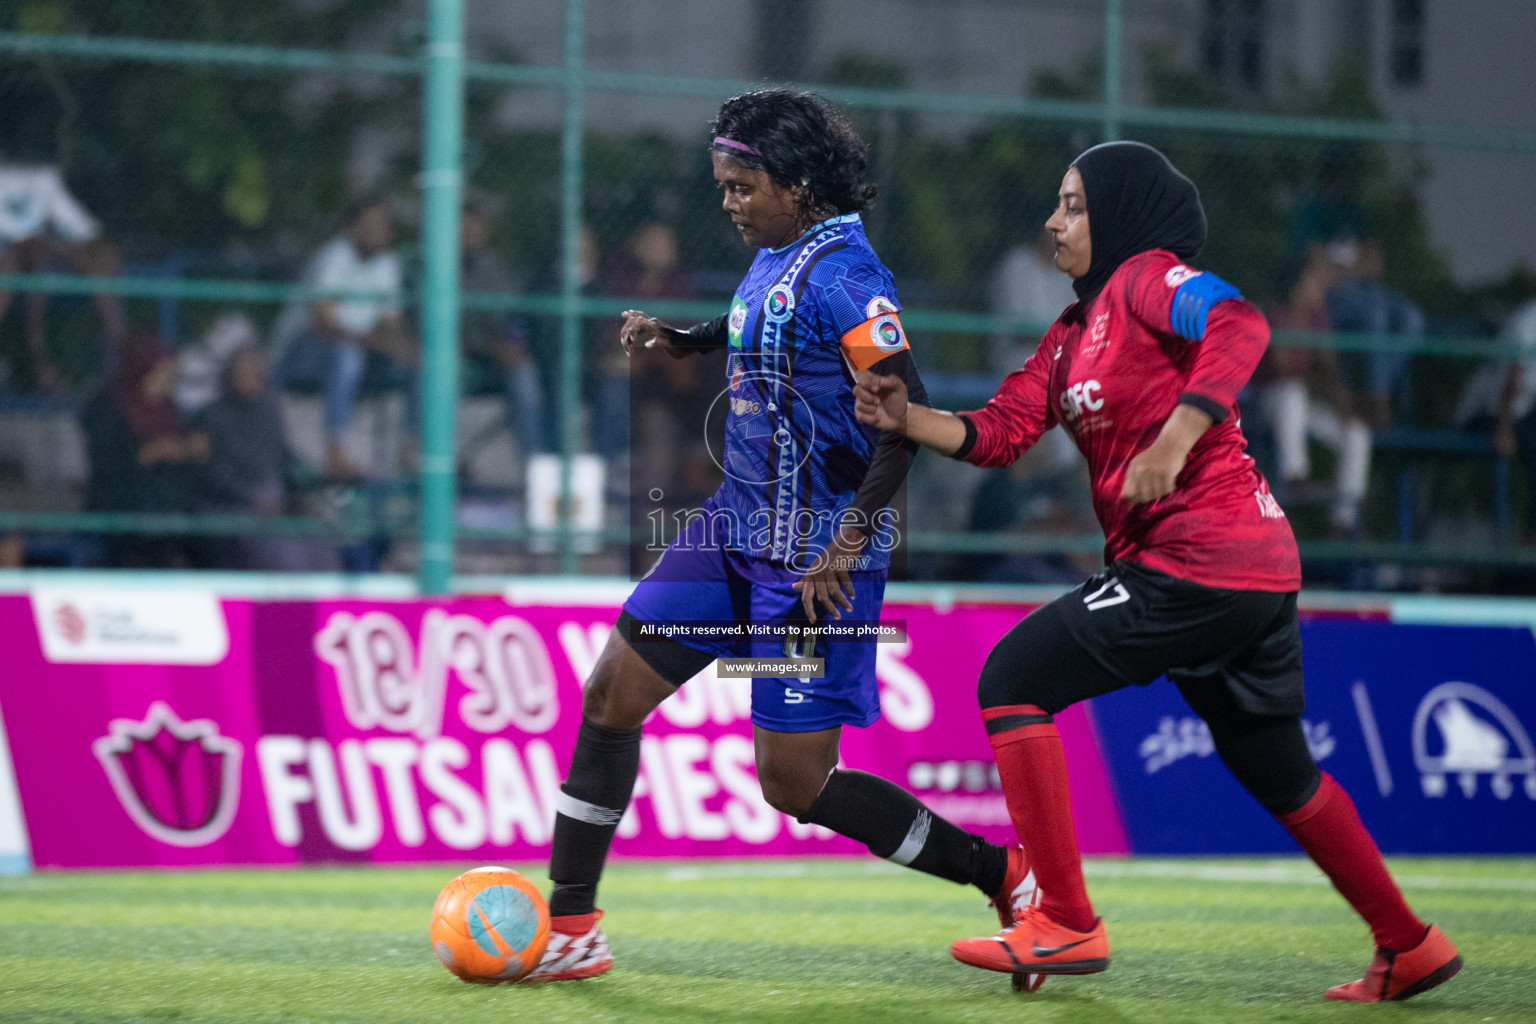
(596, 791)
(895, 825)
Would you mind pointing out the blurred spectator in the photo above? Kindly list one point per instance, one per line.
(1036, 495)
(497, 356)
(1501, 397)
(645, 269)
(44, 228)
(1304, 394)
(1027, 286)
(331, 343)
(248, 457)
(1336, 218)
(13, 551)
(248, 461)
(200, 380)
(1361, 304)
(142, 456)
(1333, 212)
(546, 333)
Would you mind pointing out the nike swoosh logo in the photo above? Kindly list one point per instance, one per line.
(1039, 950)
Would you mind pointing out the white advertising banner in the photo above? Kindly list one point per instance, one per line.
(105, 626)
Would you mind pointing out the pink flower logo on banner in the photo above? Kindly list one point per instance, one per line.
(178, 781)
(71, 623)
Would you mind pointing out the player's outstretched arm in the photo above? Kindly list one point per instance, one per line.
(881, 401)
(827, 581)
(645, 331)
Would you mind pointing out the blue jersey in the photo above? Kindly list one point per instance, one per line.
(795, 454)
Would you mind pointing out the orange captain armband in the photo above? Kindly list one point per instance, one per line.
(874, 340)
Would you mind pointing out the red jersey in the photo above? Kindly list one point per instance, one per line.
(1110, 372)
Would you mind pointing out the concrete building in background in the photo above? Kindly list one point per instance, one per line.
(1427, 60)
(1468, 62)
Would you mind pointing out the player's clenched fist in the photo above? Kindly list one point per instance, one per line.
(1151, 475)
(880, 400)
(1155, 472)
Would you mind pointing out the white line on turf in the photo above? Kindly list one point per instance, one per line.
(1277, 872)
(770, 869)
(1285, 873)
(1494, 884)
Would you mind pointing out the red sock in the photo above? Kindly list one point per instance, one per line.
(1329, 828)
(1033, 768)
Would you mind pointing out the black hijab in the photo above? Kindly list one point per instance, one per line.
(1137, 201)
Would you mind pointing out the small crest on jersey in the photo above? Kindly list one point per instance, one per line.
(878, 305)
(1098, 337)
(886, 334)
(779, 306)
(737, 320)
(737, 376)
(1179, 274)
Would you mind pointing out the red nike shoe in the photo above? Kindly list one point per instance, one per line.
(1037, 945)
(1019, 891)
(1397, 974)
(577, 949)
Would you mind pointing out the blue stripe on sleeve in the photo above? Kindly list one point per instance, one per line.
(1192, 303)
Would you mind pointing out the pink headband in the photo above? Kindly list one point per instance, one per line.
(721, 140)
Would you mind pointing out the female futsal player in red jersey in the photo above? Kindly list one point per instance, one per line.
(1143, 372)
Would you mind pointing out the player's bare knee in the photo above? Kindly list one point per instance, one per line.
(605, 703)
(792, 792)
(792, 783)
(601, 702)
(596, 696)
(622, 689)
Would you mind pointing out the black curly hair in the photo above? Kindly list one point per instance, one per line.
(802, 142)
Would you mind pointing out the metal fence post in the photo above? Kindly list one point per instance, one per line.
(1114, 21)
(570, 273)
(442, 140)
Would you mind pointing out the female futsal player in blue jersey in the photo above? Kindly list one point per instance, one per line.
(798, 530)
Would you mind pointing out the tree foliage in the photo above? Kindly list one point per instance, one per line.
(173, 156)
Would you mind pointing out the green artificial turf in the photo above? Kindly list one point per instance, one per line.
(845, 941)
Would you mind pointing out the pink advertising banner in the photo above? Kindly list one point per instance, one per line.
(177, 729)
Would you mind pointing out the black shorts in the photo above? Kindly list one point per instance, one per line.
(1129, 625)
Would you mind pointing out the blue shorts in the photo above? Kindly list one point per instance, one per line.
(690, 584)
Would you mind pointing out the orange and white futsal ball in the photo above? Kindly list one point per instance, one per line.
(490, 926)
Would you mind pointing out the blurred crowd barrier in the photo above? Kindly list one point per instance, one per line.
(212, 270)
